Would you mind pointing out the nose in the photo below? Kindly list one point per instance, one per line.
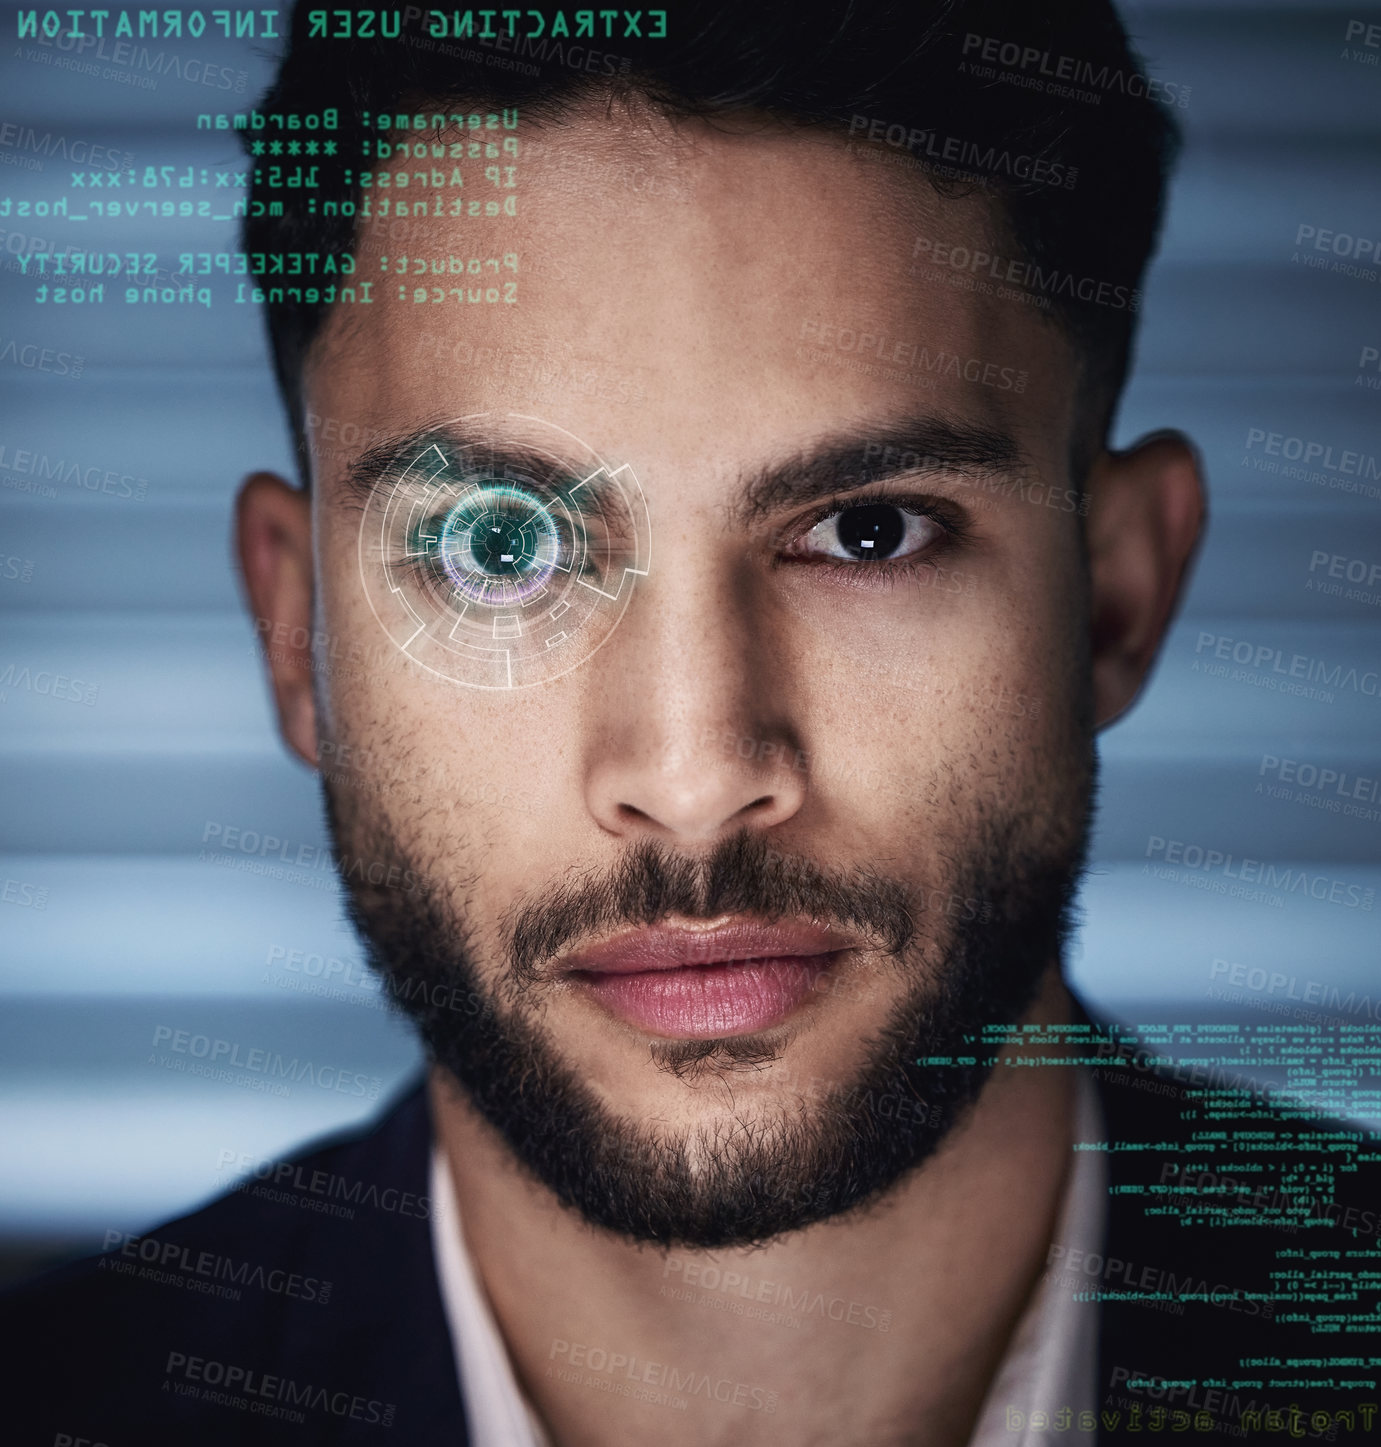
(691, 733)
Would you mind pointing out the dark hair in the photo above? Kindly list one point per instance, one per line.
(1045, 107)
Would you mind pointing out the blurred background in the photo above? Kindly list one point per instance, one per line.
(138, 757)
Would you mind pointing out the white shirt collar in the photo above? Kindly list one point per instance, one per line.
(1051, 1363)
(496, 1411)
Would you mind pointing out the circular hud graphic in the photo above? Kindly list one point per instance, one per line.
(499, 551)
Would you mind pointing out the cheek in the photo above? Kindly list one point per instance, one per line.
(1030, 726)
(980, 715)
(1049, 649)
(456, 772)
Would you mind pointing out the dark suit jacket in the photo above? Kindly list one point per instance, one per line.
(338, 1319)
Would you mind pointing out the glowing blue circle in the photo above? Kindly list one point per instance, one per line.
(499, 545)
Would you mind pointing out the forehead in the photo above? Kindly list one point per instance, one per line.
(686, 293)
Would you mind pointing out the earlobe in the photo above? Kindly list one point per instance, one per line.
(274, 543)
(1146, 516)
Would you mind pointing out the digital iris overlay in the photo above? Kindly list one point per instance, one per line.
(500, 544)
(500, 552)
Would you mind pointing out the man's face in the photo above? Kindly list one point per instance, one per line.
(848, 703)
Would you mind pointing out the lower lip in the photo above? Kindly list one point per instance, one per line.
(705, 1002)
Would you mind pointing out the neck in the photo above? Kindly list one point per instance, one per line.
(884, 1326)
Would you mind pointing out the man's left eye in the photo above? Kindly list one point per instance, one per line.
(879, 530)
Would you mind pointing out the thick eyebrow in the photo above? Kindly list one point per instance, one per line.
(842, 463)
(431, 452)
(838, 464)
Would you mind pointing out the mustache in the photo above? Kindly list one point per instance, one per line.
(740, 875)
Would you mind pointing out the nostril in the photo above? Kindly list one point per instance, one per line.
(633, 813)
(670, 786)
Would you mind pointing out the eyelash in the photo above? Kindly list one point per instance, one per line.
(954, 532)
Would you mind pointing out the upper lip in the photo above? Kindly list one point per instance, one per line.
(672, 947)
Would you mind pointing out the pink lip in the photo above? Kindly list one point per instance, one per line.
(731, 979)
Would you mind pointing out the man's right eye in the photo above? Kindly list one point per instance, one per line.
(498, 545)
(499, 542)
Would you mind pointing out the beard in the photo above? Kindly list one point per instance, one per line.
(970, 955)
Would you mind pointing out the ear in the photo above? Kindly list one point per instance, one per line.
(274, 540)
(1146, 512)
